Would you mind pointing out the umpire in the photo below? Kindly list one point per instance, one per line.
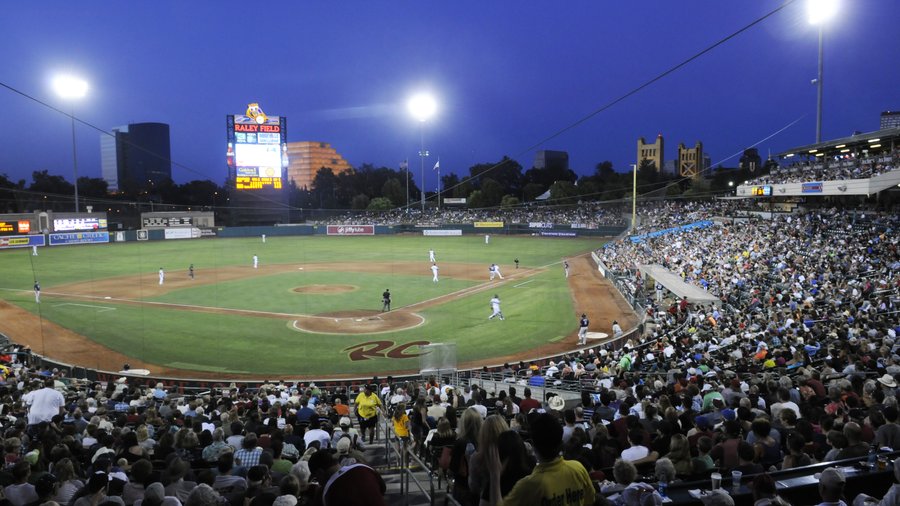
(386, 300)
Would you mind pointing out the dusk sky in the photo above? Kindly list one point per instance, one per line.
(505, 74)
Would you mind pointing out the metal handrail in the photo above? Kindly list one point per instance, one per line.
(405, 460)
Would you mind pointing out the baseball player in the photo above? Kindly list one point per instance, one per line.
(37, 292)
(616, 328)
(582, 329)
(496, 269)
(191, 271)
(431, 256)
(487, 239)
(491, 271)
(434, 270)
(566, 267)
(255, 262)
(386, 300)
(34, 251)
(264, 238)
(517, 262)
(495, 308)
(162, 276)
(659, 292)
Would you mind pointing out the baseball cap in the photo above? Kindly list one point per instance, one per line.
(344, 421)
(831, 477)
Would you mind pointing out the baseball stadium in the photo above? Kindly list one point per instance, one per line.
(229, 316)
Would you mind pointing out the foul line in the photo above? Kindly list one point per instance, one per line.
(525, 283)
(101, 309)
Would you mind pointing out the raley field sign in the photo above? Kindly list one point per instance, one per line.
(351, 230)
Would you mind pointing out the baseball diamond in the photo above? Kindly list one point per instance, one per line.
(304, 312)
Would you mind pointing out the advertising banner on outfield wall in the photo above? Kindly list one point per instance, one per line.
(182, 233)
(21, 241)
(554, 233)
(488, 224)
(351, 230)
(538, 224)
(441, 232)
(79, 238)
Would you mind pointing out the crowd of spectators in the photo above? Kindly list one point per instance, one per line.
(588, 214)
(829, 170)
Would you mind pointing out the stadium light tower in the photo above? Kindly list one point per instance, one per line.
(71, 88)
(820, 11)
(422, 107)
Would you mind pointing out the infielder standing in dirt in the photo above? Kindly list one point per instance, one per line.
(494, 269)
(191, 271)
(495, 308)
(583, 329)
(431, 256)
(434, 270)
(162, 275)
(37, 292)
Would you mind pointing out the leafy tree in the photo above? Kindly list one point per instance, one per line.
(509, 201)
(361, 201)
(394, 191)
(476, 200)
(465, 188)
(532, 190)
(93, 187)
(563, 192)
(324, 189)
(507, 173)
(380, 204)
(9, 201)
(491, 192)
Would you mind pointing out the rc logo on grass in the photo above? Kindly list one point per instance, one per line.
(383, 349)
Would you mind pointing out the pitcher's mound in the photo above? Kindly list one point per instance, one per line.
(358, 322)
(319, 289)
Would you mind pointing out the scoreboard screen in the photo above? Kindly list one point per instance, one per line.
(257, 151)
(79, 224)
(15, 227)
(761, 191)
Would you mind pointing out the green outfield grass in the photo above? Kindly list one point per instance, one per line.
(538, 309)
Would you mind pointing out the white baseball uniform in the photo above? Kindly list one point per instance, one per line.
(264, 238)
(162, 275)
(255, 262)
(491, 271)
(487, 238)
(495, 307)
(497, 271)
(434, 270)
(431, 256)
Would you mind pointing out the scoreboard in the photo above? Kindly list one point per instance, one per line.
(79, 224)
(761, 191)
(15, 227)
(256, 154)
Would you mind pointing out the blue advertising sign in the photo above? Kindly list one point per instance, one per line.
(79, 238)
(21, 241)
(812, 187)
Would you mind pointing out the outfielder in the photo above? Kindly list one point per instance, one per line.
(255, 262)
(431, 256)
(487, 238)
(566, 267)
(37, 292)
(264, 238)
(434, 270)
(162, 276)
(495, 308)
(583, 329)
(34, 251)
(191, 271)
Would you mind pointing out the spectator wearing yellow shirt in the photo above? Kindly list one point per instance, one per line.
(400, 421)
(367, 407)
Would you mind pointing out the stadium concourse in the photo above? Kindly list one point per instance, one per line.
(791, 381)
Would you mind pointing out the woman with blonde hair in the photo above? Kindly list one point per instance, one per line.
(680, 455)
(488, 437)
(400, 422)
(469, 428)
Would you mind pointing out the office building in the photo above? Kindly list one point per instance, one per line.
(136, 157)
(307, 157)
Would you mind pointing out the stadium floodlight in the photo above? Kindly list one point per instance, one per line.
(422, 106)
(71, 88)
(819, 12)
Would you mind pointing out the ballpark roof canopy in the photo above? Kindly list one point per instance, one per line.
(674, 284)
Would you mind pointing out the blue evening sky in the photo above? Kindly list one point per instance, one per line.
(507, 74)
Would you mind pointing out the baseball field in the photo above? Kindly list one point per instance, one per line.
(312, 308)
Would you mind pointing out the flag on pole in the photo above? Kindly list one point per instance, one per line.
(404, 165)
(437, 165)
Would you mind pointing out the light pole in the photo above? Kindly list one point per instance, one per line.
(820, 11)
(71, 88)
(634, 199)
(422, 107)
